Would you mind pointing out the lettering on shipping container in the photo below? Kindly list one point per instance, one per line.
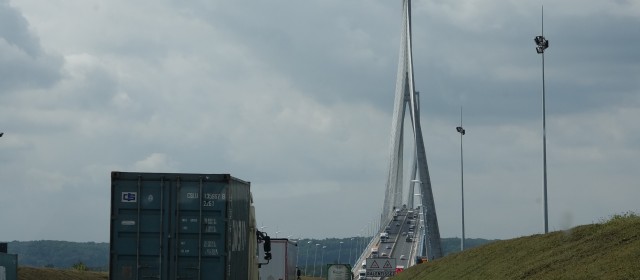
(211, 252)
(210, 248)
(210, 244)
(207, 203)
(209, 225)
(183, 250)
(210, 198)
(239, 236)
(216, 196)
(185, 221)
(192, 195)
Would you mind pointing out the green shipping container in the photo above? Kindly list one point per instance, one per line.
(8, 266)
(171, 226)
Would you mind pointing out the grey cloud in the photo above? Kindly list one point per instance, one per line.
(296, 97)
(23, 63)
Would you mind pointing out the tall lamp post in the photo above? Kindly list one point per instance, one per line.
(322, 260)
(351, 249)
(462, 132)
(297, 254)
(315, 258)
(541, 45)
(306, 260)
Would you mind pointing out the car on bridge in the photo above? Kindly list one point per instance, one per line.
(362, 274)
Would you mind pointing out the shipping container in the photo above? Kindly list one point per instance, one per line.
(8, 266)
(283, 264)
(171, 226)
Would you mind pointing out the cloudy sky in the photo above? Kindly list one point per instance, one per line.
(297, 97)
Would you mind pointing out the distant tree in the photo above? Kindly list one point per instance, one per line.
(80, 266)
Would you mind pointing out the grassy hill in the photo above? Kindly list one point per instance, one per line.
(608, 250)
(31, 273)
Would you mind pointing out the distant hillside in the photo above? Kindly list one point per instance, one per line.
(608, 250)
(60, 254)
(63, 254)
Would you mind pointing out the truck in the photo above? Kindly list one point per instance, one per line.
(374, 252)
(171, 226)
(283, 262)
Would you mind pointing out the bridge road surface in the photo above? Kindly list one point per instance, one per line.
(396, 246)
(402, 247)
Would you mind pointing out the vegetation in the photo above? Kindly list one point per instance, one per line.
(607, 250)
(91, 256)
(32, 273)
(61, 254)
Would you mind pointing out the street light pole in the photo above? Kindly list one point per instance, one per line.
(297, 253)
(461, 130)
(315, 259)
(322, 260)
(542, 44)
(306, 260)
(351, 249)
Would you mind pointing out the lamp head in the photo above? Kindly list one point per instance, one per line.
(542, 43)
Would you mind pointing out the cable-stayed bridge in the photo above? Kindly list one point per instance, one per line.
(407, 230)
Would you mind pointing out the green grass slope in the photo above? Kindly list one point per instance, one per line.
(608, 250)
(39, 273)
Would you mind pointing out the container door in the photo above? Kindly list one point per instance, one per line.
(139, 227)
(200, 230)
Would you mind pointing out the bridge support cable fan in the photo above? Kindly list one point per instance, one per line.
(407, 96)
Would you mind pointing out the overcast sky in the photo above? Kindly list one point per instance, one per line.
(297, 96)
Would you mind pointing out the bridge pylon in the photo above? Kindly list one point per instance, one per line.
(407, 99)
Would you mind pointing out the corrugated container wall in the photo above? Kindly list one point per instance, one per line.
(179, 226)
(8, 266)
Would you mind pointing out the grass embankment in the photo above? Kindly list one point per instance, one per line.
(608, 250)
(32, 273)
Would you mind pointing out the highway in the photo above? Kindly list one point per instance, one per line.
(396, 246)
